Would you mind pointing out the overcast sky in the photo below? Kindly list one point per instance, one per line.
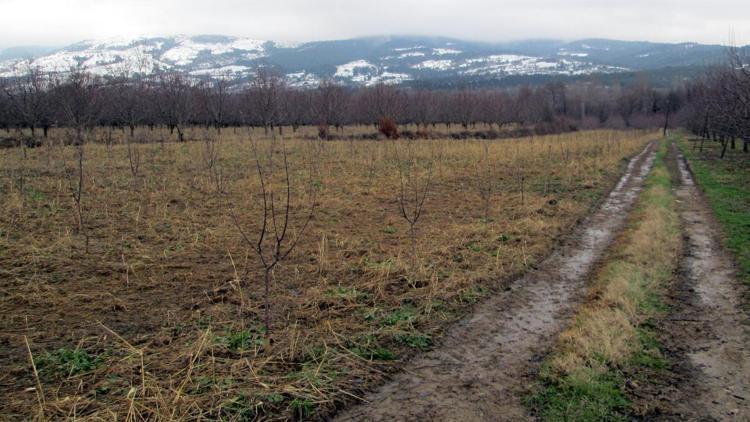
(61, 22)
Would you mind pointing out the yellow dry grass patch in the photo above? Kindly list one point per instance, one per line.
(604, 331)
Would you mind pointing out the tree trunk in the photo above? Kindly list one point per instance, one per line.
(267, 300)
(413, 238)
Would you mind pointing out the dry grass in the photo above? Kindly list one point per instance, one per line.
(605, 329)
(159, 321)
(607, 333)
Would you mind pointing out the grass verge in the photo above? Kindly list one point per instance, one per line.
(725, 183)
(584, 378)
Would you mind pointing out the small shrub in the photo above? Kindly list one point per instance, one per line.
(367, 347)
(240, 408)
(244, 339)
(67, 362)
(324, 131)
(414, 340)
(474, 246)
(473, 294)
(388, 128)
(303, 408)
(351, 293)
(404, 315)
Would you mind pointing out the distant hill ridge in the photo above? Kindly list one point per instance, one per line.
(365, 61)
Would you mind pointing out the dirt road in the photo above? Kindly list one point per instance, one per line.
(708, 334)
(484, 363)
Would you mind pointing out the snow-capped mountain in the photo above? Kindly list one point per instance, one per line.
(197, 55)
(362, 61)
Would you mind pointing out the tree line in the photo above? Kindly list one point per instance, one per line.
(37, 101)
(719, 103)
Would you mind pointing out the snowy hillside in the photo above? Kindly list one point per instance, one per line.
(362, 61)
(199, 55)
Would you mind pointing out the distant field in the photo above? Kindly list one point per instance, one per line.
(154, 307)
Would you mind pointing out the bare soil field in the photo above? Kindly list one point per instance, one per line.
(148, 303)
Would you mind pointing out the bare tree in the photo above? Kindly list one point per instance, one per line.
(6, 115)
(265, 93)
(415, 182)
(212, 162)
(485, 179)
(525, 106)
(497, 109)
(175, 102)
(520, 173)
(28, 98)
(128, 101)
(76, 188)
(126, 105)
(383, 102)
(464, 107)
(276, 237)
(134, 158)
(329, 104)
(78, 99)
(423, 108)
(215, 96)
(296, 107)
(719, 103)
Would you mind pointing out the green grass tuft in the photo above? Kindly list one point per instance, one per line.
(67, 362)
(414, 340)
(243, 339)
(585, 396)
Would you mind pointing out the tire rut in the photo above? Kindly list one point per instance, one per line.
(708, 328)
(485, 361)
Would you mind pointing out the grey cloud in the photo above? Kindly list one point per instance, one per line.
(56, 22)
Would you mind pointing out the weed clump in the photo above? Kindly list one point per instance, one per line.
(67, 362)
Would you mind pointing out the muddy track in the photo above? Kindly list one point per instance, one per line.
(485, 361)
(708, 334)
